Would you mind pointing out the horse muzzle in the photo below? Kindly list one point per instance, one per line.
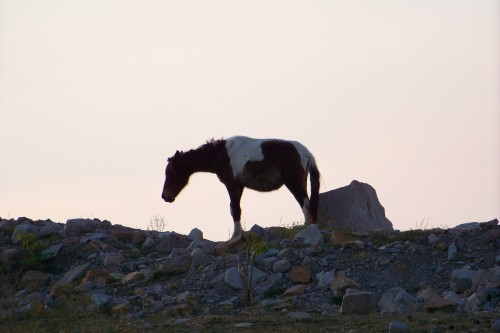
(168, 198)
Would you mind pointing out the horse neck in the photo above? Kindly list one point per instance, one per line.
(201, 159)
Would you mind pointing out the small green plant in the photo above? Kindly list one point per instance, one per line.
(33, 256)
(290, 230)
(254, 245)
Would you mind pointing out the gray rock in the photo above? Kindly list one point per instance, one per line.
(452, 252)
(99, 301)
(149, 243)
(311, 236)
(195, 234)
(233, 278)
(268, 262)
(281, 266)
(398, 327)
(51, 229)
(355, 206)
(272, 281)
(395, 298)
(432, 240)
(454, 298)
(21, 231)
(76, 227)
(299, 316)
(73, 276)
(326, 279)
(358, 302)
(495, 328)
(463, 279)
(51, 252)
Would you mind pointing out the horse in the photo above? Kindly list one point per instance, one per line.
(241, 162)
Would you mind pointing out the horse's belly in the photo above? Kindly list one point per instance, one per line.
(261, 180)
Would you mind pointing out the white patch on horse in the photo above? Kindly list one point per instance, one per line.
(306, 157)
(242, 150)
(305, 210)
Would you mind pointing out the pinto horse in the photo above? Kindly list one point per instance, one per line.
(259, 164)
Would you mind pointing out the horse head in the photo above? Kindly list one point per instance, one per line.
(175, 178)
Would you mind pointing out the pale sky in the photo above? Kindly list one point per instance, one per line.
(96, 95)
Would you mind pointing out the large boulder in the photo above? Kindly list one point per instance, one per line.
(355, 206)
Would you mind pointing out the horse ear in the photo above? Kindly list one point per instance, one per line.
(177, 154)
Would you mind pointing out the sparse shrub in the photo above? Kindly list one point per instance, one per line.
(290, 230)
(157, 223)
(254, 245)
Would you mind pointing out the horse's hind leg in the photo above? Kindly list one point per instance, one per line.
(300, 194)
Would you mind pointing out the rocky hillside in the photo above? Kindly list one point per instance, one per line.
(94, 266)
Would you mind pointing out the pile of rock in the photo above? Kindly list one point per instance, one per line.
(130, 272)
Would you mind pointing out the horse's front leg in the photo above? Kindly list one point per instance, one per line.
(235, 193)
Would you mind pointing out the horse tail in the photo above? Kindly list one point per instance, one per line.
(314, 177)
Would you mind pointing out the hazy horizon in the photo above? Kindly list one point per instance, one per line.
(96, 95)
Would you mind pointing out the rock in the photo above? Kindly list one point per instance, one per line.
(299, 316)
(74, 275)
(114, 258)
(133, 277)
(76, 227)
(342, 283)
(233, 278)
(281, 266)
(51, 252)
(149, 243)
(121, 309)
(441, 245)
(398, 327)
(463, 279)
(268, 262)
(22, 231)
(355, 206)
(8, 226)
(473, 303)
(452, 252)
(432, 240)
(495, 328)
(51, 229)
(454, 298)
(7, 256)
(122, 234)
(395, 298)
(340, 237)
(326, 279)
(195, 234)
(97, 277)
(356, 244)
(183, 297)
(243, 325)
(311, 236)
(229, 245)
(272, 281)
(99, 301)
(300, 274)
(299, 289)
(138, 237)
(35, 280)
(358, 302)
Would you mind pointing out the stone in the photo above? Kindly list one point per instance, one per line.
(114, 258)
(432, 240)
(138, 237)
(133, 277)
(342, 283)
(394, 299)
(454, 298)
(8, 226)
(398, 327)
(35, 280)
(495, 328)
(268, 262)
(99, 301)
(437, 303)
(355, 206)
(183, 297)
(149, 243)
(97, 277)
(441, 245)
(297, 290)
(243, 325)
(473, 303)
(272, 281)
(51, 252)
(195, 234)
(74, 275)
(326, 279)
(229, 245)
(21, 231)
(356, 244)
(121, 309)
(311, 236)
(358, 302)
(300, 274)
(299, 316)
(452, 252)
(122, 234)
(340, 237)
(77, 227)
(463, 279)
(232, 278)
(51, 229)
(281, 266)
